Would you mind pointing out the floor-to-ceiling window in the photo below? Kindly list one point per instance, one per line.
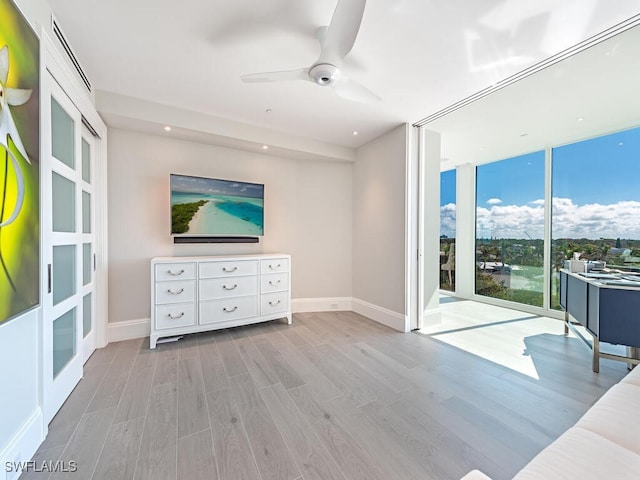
(510, 229)
(596, 204)
(448, 230)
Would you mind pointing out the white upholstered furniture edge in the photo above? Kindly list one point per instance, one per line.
(604, 443)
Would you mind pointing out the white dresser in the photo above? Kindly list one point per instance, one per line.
(195, 294)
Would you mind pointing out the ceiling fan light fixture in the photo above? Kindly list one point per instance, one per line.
(324, 74)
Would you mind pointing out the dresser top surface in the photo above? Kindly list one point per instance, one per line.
(205, 258)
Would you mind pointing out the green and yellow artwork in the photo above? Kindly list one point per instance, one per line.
(19, 164)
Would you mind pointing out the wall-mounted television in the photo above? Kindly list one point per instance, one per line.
(213, 207)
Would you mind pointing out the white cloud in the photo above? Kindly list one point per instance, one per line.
(448, 220)
(621, 219)
(494, 201)
(510, 221)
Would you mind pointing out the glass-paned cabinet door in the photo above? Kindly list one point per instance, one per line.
(64, 272)
(62, 135)
(86, 212)
(64, 340)
(86, 161)
(63, 203)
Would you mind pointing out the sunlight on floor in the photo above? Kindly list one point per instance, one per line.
(494, 333)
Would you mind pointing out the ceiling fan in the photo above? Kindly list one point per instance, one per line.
(336, 42)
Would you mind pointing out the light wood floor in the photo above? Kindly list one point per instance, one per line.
(333, 396)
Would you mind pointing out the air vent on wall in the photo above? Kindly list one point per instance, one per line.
(57, 33)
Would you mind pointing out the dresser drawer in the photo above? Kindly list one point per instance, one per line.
(276, 282)
(175, 271)
(175, 292)
(274, 303)
(274, 265)
(172, 316)
(229, 309)
(216, 288)
(231, 268)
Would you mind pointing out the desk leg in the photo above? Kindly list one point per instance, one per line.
(596, 355)
(632, 352)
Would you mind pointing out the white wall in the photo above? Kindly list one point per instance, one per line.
(20, 413)
(379, 194)
(308, 213)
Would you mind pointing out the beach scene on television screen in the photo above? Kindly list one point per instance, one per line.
(204, 206)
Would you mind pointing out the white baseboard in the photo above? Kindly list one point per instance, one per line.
(301, 305)
(140, 328)
(387, 317)
(22, 446)
(128, 330)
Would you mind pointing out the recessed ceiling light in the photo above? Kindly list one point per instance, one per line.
(355, 133)
(265, 147)
(481, 148)
(579, 119)
(167, 128)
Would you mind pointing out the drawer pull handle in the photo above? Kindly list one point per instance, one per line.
(273, 304)
(271, 282)
(175, 317)
(229, 310)
(274, 268)
(233, 287)
(175, 274)
(175, 293)
(228, 270)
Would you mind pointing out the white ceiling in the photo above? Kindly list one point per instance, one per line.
(419, 56)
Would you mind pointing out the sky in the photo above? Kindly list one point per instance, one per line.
(595, 189)
(212, 186)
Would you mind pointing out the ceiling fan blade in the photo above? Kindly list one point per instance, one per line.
(299, 74)
(352, 90)
(342, 32)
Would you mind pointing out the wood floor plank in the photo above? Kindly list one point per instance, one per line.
(231, 358)
(269, 450)
(322, 388)
(350, 457)
(51, 455)
(351, 379)
(313, 459)
(157, 457)
(66, 420)
(135, 396)
(230, 443)
(196, 458)
(87, 442)
(193, 415)
(118, 458)
(375, 440)
(213, 371)
(257, 365)
(285, 373)
(166, 371)
(377, 364)
(293, 338)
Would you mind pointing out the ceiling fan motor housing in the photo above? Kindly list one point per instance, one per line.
(324, 73)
